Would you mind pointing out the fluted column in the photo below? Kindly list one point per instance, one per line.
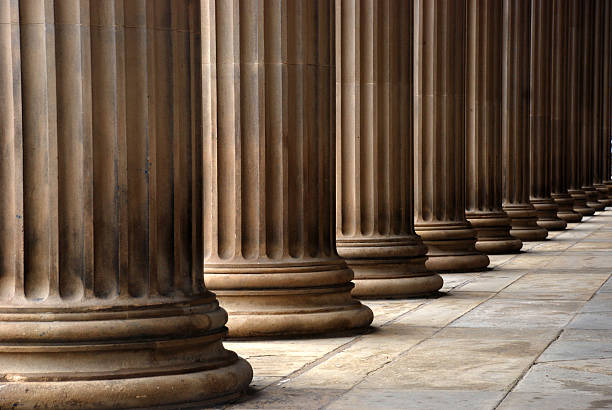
(598, 135)
(540, 115)
(483, 129)
(515, 122)
(607, 95)
(375, 214)
(102, 300)
(269, 156)
(559, 121)
(439, 134)
(588, 104)
(574, 114)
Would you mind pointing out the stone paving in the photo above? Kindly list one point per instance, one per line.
(535, 331)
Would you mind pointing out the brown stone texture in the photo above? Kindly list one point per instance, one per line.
(439, 134)
(560, 157)
(540, 114)
(269, 170)
(483, 129)
(598, 135)
(375, 214)
(587, 34)
(574, 114)
(515, 122)
(102, 300)
(606, 89)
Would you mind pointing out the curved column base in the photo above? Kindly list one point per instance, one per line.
(523, 220)
(603, 194)
(592, 197)
(451, 248)
(493, 232)
(566, 205)
(388, 267)
(546, 210)
(580, 205)
(158, 356)
(269, 300)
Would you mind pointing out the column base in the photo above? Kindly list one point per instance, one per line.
(167, 355)
(566, 205)
(451, 247)
(546, 210)
(592, 197)
(580, 205)
(272, 299)
(388, 267)
(523, 220)
(603, 194)
(493, 232)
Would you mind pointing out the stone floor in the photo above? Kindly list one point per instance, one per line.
(533, 332)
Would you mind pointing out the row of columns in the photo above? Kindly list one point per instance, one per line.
(301, 154)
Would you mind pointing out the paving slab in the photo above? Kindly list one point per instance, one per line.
(555, 286)
(555, 401)
(579, 344)
(416, 399)
(463, 359)
(281, 398)
(490, 281)
(600, 302)
(596, 320)
(442, 311)
(510, 313)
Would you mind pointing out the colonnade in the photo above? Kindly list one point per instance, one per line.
(291, 156)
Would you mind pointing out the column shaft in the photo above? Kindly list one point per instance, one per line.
(515, 122)
(575, 108)
(598, 106)
(375, 214)
(102, 300)
(439, 115)
(540, 115)
(607, 95)
(483, 129)
(559, 121)
(269, 152)
(588, 103)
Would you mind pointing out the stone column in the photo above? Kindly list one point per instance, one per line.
(588, 104)
(575, 109)
(269, 156)
(483, 129)
(598, 135)
(559, 121)
(515, 122)
(540, 137)
(102, 300)
(439, 115)
(375, 214)
(607, 94)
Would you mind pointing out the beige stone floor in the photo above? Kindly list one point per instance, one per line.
(533, 332)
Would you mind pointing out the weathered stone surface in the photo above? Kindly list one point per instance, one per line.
(540, 116)
(375, 226)
(269, 152)
(515, 123)
(483, 129)
(439, 95)
(102, 300)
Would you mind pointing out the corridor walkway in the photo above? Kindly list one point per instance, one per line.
(535, 331)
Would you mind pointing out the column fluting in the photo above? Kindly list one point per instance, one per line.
(439, 115)
(483, 129)
(588, 103)
(375, 214)
(574, 114)
(269, 178)
(102, 299)
(515, 122)
(559, 121)
(540, 116)
(607, 95)
(598, 135)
